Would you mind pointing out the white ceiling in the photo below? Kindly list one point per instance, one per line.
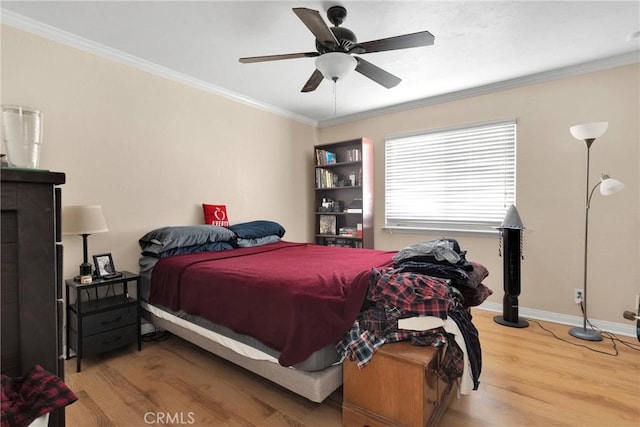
(477, 43)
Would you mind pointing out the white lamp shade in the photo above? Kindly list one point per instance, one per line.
(83, 220)
(588, 130)
(335, 65)
(610, 186)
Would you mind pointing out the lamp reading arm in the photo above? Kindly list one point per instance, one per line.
(591, 194)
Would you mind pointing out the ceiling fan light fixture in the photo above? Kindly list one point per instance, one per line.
(335, 65)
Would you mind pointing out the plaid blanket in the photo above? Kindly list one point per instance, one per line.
(37, 393)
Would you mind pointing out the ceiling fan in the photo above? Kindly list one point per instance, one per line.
(335, 46)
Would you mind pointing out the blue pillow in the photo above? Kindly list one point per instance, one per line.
(257, 229)
(163, 239)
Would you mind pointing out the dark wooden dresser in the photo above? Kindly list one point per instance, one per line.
(31, 255)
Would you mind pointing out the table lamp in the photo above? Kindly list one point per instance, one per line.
(83, 221)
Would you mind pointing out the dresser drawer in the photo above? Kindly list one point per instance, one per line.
(100, 322)
(109, 340)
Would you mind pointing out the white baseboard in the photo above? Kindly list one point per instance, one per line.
(628, 330)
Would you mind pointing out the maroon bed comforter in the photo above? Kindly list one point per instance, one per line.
(294, 297)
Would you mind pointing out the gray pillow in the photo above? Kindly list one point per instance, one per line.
(248, 243)
(167, 238)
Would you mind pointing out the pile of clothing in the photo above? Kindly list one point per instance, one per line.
(424, 297)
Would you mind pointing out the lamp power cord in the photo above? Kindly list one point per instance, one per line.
(605, 335)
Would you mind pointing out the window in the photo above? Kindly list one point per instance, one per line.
(451, 179)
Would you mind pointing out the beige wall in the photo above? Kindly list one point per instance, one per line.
(550, 187)
(151, 150)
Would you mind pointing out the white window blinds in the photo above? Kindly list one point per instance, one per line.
(452, 179)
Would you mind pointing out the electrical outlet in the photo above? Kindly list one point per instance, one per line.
(577, 295)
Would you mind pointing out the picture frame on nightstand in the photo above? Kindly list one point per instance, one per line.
(105, 268)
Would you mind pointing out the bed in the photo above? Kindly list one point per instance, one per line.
(274, 307)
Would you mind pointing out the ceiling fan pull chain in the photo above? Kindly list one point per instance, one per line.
(335, 99)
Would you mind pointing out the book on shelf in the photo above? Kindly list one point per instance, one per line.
(355, 206)
(344, 243)
(330, 242)
(347, 232)
(328, 224)
(353, 155)
(324, 157)
(326, 178)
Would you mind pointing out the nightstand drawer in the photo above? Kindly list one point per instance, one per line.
(109, 340)
(101, 322)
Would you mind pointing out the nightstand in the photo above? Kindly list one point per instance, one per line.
(102, 319)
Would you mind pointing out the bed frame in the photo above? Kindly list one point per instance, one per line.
(315, 386)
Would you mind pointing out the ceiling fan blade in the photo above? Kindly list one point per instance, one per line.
(377, 74)
(278, 57)
(313, 82)
(312, 19)
(423, 38)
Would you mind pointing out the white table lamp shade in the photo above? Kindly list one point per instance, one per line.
(87, 219)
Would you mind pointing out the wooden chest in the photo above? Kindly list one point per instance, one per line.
(399, 387)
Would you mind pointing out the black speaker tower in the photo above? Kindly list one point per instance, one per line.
(511, 230)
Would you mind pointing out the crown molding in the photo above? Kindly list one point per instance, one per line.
(55, 34)
(26, 24)
(545, 76)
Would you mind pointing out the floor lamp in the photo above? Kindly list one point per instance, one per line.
(588, 133)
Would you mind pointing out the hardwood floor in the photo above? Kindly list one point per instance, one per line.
(528, 378)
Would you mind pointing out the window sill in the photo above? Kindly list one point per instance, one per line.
(430, 230)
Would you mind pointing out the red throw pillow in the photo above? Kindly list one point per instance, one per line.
(215, 215)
